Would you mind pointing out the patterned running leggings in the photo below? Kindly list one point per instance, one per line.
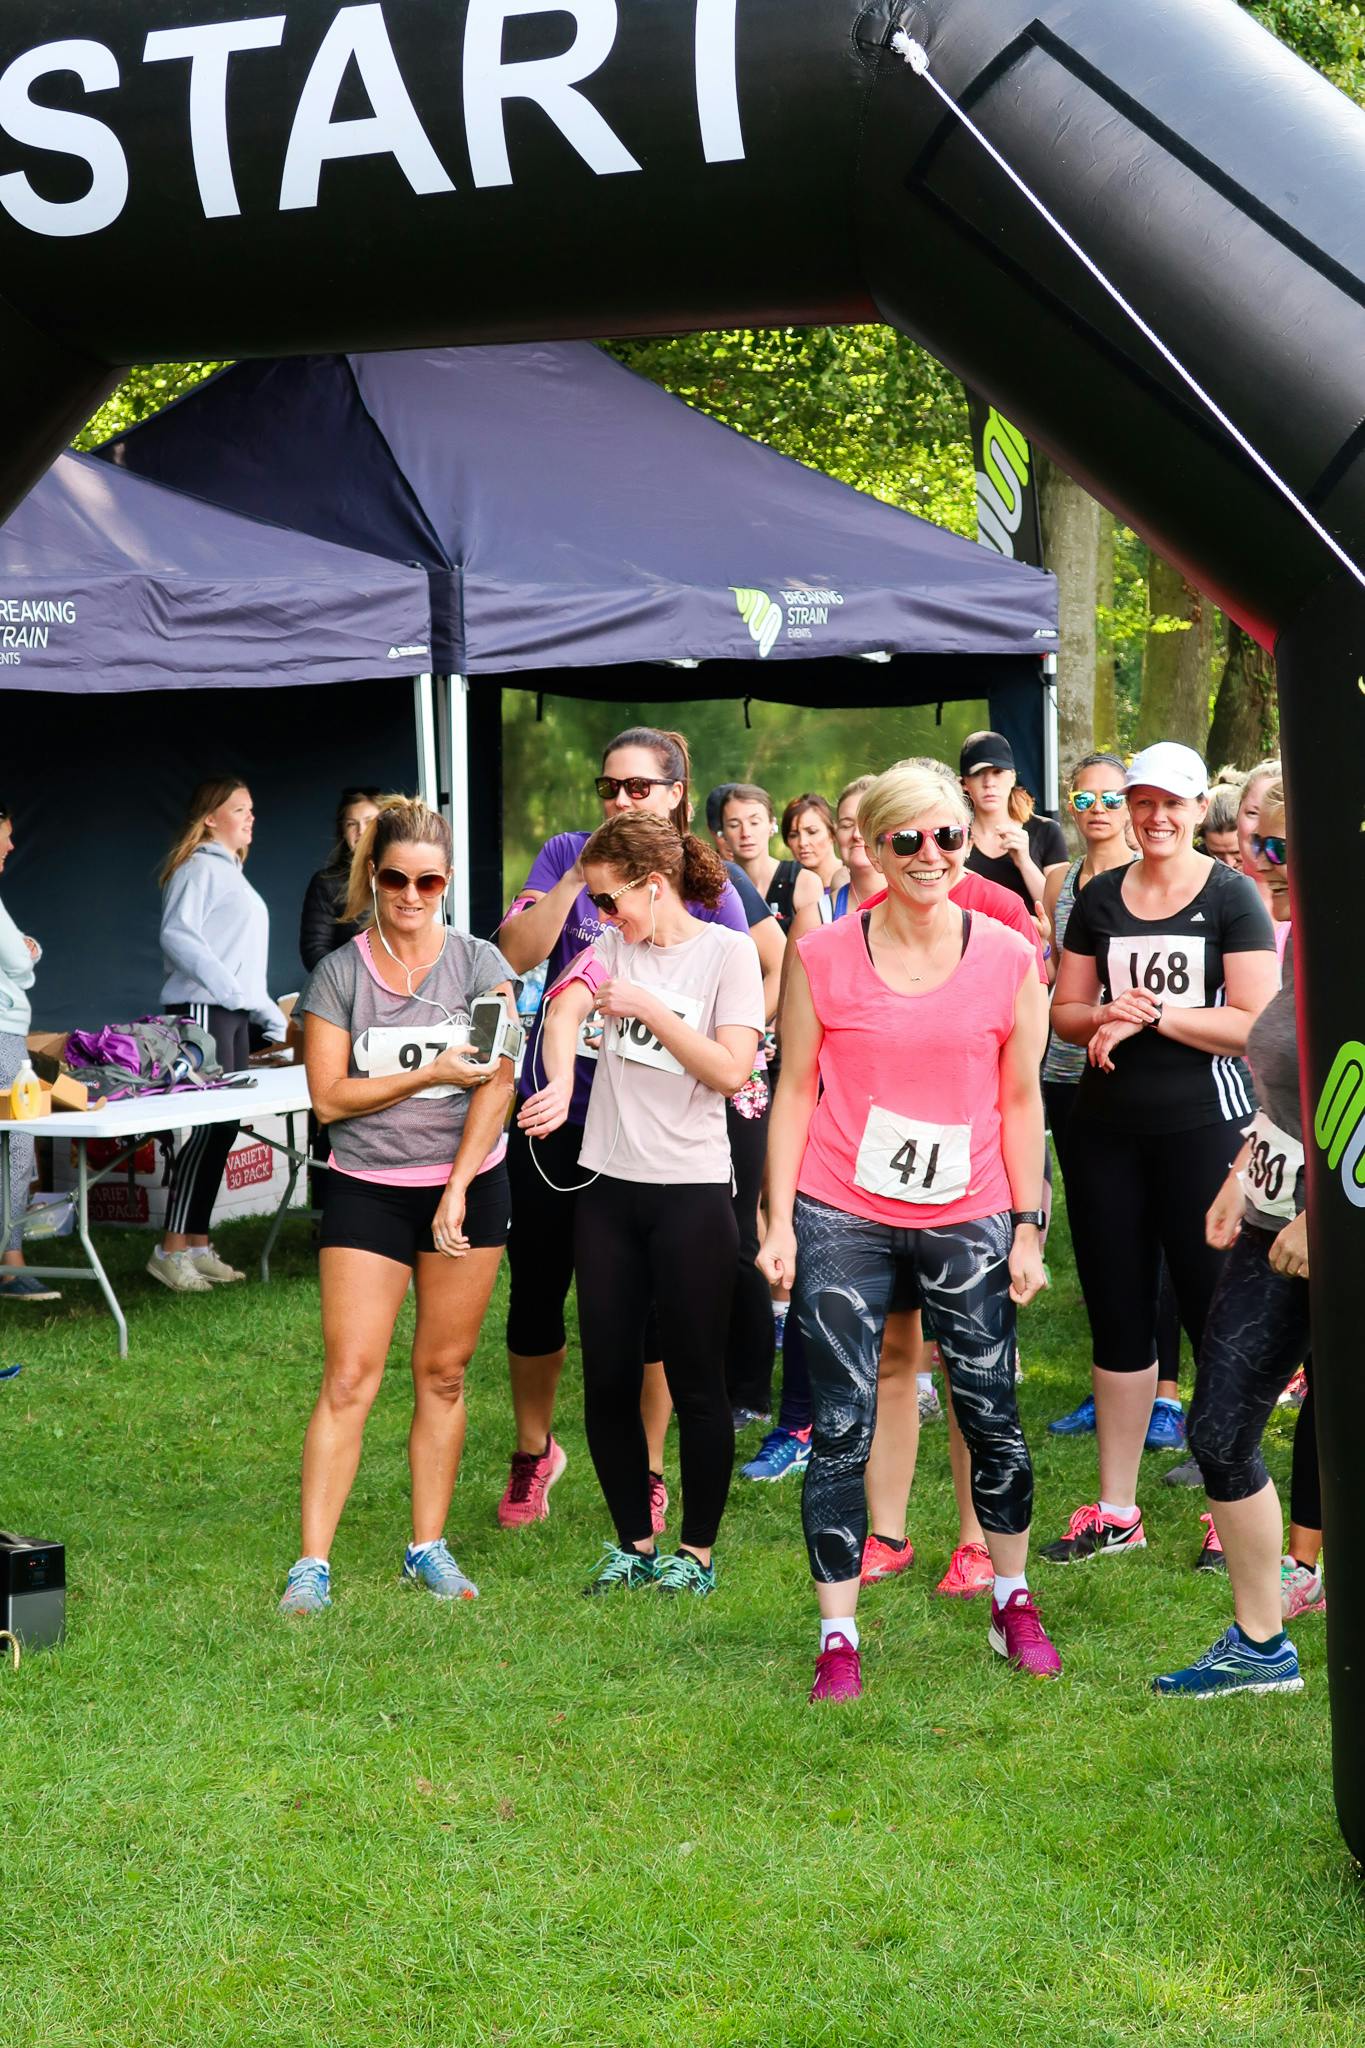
(845, 1273)
(1254, 1341)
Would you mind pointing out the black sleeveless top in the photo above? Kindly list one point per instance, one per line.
(782, 891)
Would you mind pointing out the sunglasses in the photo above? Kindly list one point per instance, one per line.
(1086, 799)
(605, 899)
(948, 838)
(636, 787)
(393, 881)
(1272, 847)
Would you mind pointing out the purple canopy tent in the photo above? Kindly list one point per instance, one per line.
(581, 527)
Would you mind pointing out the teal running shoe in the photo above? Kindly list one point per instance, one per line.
(1080, 1421)
(1231, 1665)
(308, 1589)
(622, 1571)
(781, 1451)
(686, 1574)
(434, 1568)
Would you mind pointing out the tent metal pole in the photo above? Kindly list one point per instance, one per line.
(456, 766)
(1052, 794)
(424, 712)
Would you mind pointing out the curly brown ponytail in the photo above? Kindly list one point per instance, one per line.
(636, 844)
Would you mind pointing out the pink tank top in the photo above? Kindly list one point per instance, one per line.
(907, 1130)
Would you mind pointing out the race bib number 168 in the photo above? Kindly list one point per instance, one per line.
(1166, 965)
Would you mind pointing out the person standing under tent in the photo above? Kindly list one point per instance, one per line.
(898, 1137)
(808, 829)
(748, 823)
(321, 926)
(1011, 843)
(418, 1188)
(647, 771)
(19, 956)
(215, 942)
(654, 1225)
(1167, 965)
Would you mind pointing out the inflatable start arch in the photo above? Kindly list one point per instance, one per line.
(247, 177)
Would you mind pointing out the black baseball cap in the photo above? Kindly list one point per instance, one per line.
(985, 750)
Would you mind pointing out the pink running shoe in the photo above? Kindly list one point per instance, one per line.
(838, 1672)
(1018, 1636)
(526, 1498)
(1300, 1590)
(882, 1561)
(1210, 1558)
(969, 1572)
(658, 1502)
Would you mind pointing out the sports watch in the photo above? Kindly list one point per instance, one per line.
(1034, 1216)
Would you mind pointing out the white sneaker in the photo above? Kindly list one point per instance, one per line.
(211, 1266)
(178, 1271)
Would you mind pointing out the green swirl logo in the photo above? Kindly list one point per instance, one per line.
(761, 615)
(1339, 1123)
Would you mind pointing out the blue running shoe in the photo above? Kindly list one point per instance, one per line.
(781, 1451)
(1231, 1665)
(1080, 1422)
(433, 1566)
(1166, 1430)
(307, 1590)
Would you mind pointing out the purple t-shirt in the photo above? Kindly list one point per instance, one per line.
(582, 928)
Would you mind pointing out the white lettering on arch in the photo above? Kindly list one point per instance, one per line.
(393, 129)
(549, 81)
(722, 139)
(64, 134)
(208, 49)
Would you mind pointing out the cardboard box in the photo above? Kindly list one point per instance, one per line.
(51, 1043)
(253, 1183)
(64, 1093)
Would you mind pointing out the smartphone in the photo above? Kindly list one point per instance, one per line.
(492, 1032)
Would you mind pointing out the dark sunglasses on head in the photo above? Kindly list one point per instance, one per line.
(1270, 846)
(948, 838)
(395, 882)
(636, 787)
(1086, 799)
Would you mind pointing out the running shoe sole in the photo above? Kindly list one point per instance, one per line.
(1223, 1692)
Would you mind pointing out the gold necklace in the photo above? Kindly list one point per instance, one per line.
(929, 957)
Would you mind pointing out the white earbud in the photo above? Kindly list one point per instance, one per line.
(653, 890)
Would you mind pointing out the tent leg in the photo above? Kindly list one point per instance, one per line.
(1052, 794)
(424, 712)
(455, 776)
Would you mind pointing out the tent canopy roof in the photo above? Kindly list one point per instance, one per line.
(571, 514)
(111, 583)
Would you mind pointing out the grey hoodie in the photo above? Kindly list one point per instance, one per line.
(215, 938)
(16, 978)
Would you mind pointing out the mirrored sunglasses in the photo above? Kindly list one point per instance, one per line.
(1271, 846)
(1086, 799)
(948, 838)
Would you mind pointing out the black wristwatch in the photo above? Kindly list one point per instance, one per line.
(1155, 1024)
(1034, 1216)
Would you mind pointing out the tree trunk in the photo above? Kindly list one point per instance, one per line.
(1106, 690)
(1175, 666)
(1071, 533)
(1246, 717)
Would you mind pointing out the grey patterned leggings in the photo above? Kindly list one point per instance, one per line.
(845, 1274)
(12, 1049)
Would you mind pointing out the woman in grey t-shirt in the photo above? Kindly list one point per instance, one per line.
(417, 1188)
(1257, 1332)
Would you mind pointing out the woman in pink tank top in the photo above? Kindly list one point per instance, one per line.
(908, 1130)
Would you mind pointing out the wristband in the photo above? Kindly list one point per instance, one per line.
(1155, 1024)
(1034, 1216)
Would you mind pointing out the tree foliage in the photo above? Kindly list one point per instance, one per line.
(144, 391)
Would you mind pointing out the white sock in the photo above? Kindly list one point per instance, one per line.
(306, 1559)
(1007, 1583)
(925, 1381)
(1118, 1514)
(844, 1626)
(1165, 1401)
(416, 1550)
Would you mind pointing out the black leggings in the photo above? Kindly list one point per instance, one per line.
(1254, 1342)
(749, 1351)
(677, 1247)
(1133, 1197)
(846, 1270)
(197, 1168)
(540, 1242)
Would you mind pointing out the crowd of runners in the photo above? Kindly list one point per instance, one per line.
(804, 1105)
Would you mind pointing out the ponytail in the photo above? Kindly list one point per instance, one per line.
(703, 873)
(635, 844)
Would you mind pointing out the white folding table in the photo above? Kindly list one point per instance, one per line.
(266, 1091)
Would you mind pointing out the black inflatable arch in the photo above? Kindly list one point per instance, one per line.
(219, 178)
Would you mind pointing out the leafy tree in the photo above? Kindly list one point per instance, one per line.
(144, 390)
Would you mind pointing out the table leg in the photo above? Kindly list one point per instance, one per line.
(287, 1197)
(6, 1219)
(83, 1232)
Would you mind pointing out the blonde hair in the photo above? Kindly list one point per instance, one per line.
(1272, 797)
(1264, 771)
(401, 821)
(906, 791)
(204, 799)
(854, 788)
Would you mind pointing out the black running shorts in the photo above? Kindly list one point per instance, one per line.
(395, 1223)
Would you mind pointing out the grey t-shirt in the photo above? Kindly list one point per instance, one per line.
(393, 1033)
(1273, 1174)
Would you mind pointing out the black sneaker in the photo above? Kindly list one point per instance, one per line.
(1091, 1534)
(622, 1571)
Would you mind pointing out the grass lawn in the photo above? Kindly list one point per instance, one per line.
(540, 1820)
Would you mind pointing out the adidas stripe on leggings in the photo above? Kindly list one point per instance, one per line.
(197, 1169)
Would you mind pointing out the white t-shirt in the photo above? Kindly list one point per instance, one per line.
(671, 1126)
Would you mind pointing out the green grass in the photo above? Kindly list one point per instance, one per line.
(541, 1820)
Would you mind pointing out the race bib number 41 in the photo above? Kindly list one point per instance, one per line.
(387, 1049)
(1166, 965)
(628, 1039)
(928, 1164)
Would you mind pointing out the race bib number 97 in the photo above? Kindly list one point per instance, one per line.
(1168, 966)
(1273, 1166)
(387, 1049)
(906, 1161)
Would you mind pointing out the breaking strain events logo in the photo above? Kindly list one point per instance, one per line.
(799, 611)
(763, 618)
(1339, 1125)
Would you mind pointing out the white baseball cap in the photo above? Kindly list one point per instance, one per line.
(1169, 766)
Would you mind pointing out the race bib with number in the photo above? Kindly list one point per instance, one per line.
(1273, 1166)
(929, 1164)
(1166, 965)
(628, 1039)
(387, 1049)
